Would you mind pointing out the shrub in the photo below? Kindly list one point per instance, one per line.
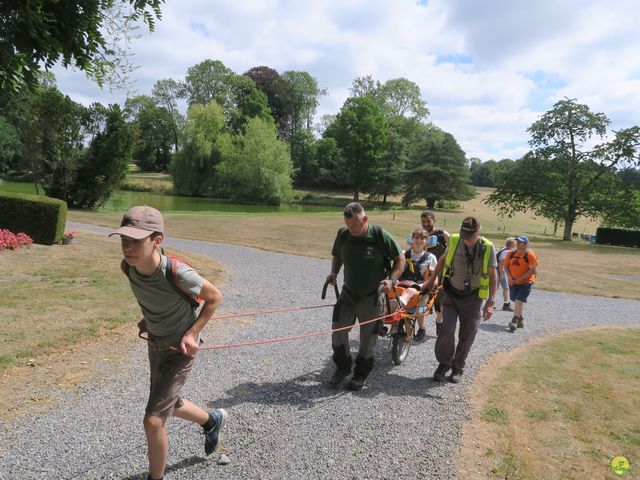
(10, 241)
(618, 236)
(41, 218)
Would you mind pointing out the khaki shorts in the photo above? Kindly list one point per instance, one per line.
(168, 371)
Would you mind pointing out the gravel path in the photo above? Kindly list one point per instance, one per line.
(284, 422)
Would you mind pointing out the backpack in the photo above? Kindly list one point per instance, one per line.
(525, 257)
(500, 253)
(171, 274)
(378, 237)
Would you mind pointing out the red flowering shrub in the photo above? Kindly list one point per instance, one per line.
(10, 241)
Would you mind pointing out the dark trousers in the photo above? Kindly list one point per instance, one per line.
(345, 314)
(469, 311)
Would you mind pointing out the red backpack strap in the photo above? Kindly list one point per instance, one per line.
(171, 274)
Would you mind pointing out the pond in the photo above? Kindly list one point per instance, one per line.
(121, 201)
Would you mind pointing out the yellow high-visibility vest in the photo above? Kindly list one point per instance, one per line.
(483, 291)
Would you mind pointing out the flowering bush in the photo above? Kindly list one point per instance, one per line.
(70, 234)
(11, 241)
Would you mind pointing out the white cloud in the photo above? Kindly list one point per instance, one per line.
(510, 60)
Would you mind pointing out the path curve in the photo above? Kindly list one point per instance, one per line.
(284, 422)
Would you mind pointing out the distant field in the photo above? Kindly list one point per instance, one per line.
(577, 267)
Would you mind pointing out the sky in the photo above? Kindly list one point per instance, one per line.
(486, 69)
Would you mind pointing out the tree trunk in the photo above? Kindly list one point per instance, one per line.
(384, 199)
(568, 226)
(356, 197)
(431, 203)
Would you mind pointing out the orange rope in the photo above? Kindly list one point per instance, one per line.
(264, 312)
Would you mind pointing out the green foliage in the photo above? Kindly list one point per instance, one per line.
(60, 127)
(104, 166)
(260, 169)
(208, 81)
(569, 179)
(247, 102)
(9, 144)
(360, 130)
(85, 34)
(194, 169)
(398, 97)
(331, 163)
(482, 173)
(155, 131)
(618, 236)
(301, 101)
(268, 81)
(304, 158)
(41, 218)
(437, 170)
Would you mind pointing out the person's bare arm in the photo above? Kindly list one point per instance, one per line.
(212, 298)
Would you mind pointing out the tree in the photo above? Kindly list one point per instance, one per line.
(389, 175)
(482, 173)
(360, 130)
(437, 170)
(61, 138)
(246, 102)
(260, 169)
(303, 158)
(155, 132)
(402, 98)
(194, 168)
(208, 81)
(331, 164)
(166, 94)
(561, 157)
(268, 81)
(302, 94)
(9, 144)
(104, 166)
(85, 34)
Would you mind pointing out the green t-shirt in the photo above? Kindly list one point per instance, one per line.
(362, 259)
(167, 314)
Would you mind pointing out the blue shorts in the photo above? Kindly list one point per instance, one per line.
(502, 282)
(520, 292)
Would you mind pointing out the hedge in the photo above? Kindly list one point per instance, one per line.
(42, 218)
(618, 236)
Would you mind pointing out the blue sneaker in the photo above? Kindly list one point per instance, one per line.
(212, 437)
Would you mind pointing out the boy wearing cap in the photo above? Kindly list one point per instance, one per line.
(173, 327)
(468, 269)
(521, 265)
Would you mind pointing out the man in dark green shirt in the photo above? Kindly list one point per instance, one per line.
(365, 251)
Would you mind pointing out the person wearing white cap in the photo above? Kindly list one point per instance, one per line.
(521, 265)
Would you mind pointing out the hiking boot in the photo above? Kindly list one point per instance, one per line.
(506, 307)
(421, 334)
(338, 376)
(456, 376)
(520, 322)
(513, 324)
(357, 382)
(212, 437)
(440, 373)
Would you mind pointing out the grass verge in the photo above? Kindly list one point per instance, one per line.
(559, 407)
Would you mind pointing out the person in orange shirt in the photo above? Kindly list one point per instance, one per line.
(520, 265)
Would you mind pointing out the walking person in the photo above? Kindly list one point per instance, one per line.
(173, 327)
(468, 269)
(436, 244)
(503, 274)
(369, 255)
(521, 265)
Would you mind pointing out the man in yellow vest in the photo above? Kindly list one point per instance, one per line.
(468, 267)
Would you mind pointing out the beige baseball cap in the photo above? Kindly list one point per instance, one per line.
(140, 222)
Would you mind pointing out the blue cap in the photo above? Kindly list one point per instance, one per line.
(522, 239)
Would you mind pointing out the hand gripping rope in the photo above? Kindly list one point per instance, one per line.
(394, 317)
